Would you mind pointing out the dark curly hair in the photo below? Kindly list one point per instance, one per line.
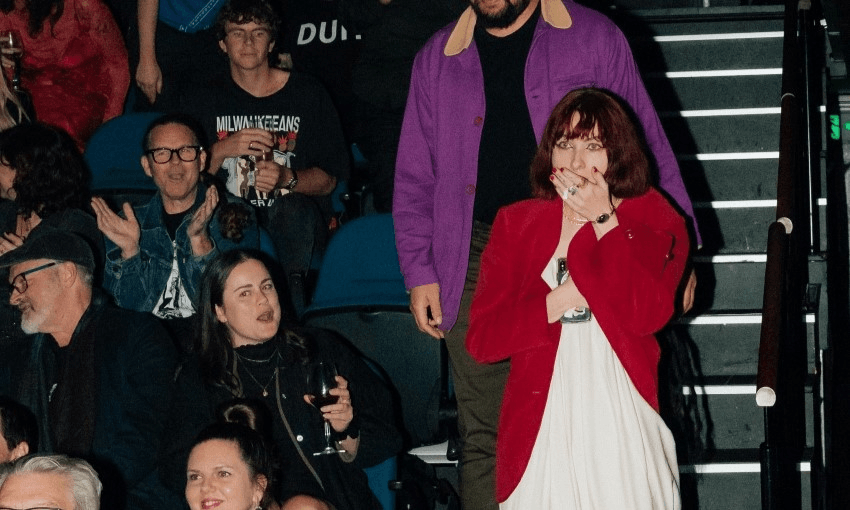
(50, 173)
(239, 12)
(38, 11)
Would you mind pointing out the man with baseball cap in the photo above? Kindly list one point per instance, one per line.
(96, 376)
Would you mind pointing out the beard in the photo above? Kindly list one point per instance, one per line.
(502, 18)
(32, 320)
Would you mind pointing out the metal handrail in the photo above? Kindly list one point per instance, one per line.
(775, 286)
(785, 272)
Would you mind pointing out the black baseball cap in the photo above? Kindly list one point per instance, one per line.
(51, 243)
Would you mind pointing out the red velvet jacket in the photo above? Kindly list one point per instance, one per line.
(629, 278)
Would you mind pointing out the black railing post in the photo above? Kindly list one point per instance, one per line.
(769, 465)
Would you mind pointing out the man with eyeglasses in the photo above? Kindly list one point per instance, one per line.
(49, 482)
(96, 377)
(279, 141)
(156, 253)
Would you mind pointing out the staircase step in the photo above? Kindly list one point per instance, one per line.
(735, 230)
(713, 92)
(729, 179)
(676, 22)
(735, 281)
(731, 480)
(729, 281)
(723, 133)
(726, 344)
(731, 416)
(709, 51)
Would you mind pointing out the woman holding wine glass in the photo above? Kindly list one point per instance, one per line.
(244, 350)
(572, 287)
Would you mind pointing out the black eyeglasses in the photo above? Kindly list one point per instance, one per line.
(19, 283)
(162, 155)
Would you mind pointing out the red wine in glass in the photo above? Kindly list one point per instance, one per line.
(322, 380)
(324, 400)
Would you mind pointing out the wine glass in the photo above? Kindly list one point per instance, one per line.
(12, 47)
(321, 381)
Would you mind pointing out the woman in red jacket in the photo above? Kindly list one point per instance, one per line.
(573, 285)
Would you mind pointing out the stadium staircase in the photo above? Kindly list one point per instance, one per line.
(715, 77)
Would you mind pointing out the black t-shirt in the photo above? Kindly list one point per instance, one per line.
(172, 222)
(300, 114)
(507, 137)
(320, 45)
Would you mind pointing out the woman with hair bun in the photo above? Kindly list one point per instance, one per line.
(231, 464)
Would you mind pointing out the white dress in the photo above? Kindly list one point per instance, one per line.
(600, 446)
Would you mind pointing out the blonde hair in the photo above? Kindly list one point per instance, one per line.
(7, 120)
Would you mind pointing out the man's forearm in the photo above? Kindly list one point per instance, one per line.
(311, 181)
(147, 13)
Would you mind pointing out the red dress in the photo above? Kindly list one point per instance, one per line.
(77, 71)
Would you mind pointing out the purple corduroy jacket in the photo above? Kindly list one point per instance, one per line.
(437, 164)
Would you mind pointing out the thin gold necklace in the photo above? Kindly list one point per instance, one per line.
(572, 219)
(247, 371)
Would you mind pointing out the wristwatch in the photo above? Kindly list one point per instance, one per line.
(289, 186)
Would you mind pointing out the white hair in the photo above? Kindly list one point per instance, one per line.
(85, 485)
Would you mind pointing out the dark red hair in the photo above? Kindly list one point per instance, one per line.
(628, 172)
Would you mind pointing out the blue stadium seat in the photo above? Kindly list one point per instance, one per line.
(360, 294)
(113, 154)
(380, 477)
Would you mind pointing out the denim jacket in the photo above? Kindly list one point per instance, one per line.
(137, 283)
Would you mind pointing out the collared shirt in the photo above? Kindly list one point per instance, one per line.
(436, 169)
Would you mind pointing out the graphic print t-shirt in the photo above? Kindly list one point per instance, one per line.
(301, 116)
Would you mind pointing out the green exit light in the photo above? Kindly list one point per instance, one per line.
(835, 130)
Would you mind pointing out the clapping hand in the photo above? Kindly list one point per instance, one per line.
(197, 229)
(124, 232)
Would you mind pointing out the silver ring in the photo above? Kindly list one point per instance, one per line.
(572, 190)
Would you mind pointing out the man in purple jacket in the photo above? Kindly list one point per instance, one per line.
(480, 94)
